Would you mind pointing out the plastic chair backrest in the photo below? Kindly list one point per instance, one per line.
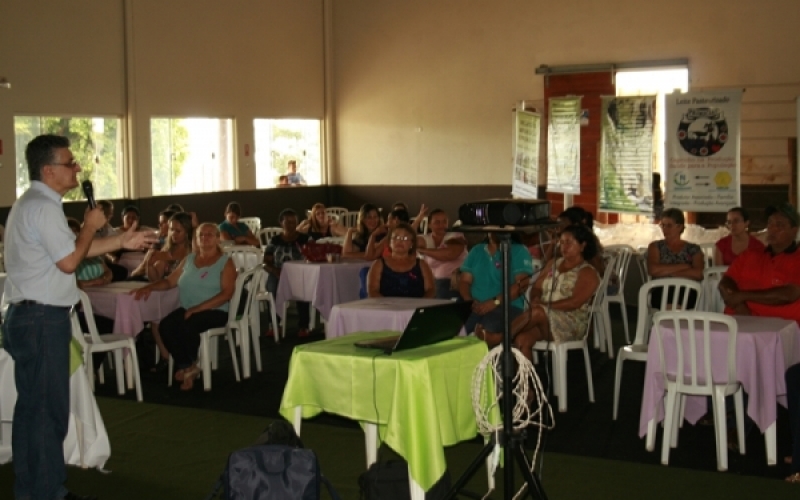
(245, 256)
(266, 234)
(674, 295)
(86, 305)
(621, 266)
(712, 300)
(337, 211)
(348, 219)
(423, 225)
(708, 252)
(253, 223)
(244, 295)
(693, 348)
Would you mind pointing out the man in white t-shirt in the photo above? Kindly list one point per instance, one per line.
(295, 178)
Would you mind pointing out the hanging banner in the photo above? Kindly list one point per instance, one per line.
(525, 174)
(626, 155)
(702, 149)
(564, 145)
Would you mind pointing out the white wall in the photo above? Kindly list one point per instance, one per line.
(424, 89)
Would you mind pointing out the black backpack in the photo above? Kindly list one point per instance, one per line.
(275, 467)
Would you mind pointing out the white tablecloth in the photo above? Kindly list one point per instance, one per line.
(370, 315)
(321, 283)
(115, 301)
(87, 442)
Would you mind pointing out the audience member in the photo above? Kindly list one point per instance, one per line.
(163, 226)
(206, 281)
(559, 300)
(481, 281)
(320, 225)
(282, 248)
(108, 211)
(729, 247)
(234, 230)
(767, 282)
(401, 273)
(673, 257)
(793, 398)
(379, 245)
(358, 238)
(444, 252)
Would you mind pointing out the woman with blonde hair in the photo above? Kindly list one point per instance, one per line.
(320, 225)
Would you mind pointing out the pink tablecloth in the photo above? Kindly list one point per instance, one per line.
(370, 315)
(320, 283)
(130, 315)
(765, 348)
(131, 260)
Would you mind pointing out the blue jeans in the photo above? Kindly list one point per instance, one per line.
(493, 321)
(443, 289)
(37, 337)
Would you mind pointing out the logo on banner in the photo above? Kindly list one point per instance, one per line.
(681, 180)
(703, 131)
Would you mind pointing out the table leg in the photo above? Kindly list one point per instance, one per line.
(770, 442)
(650, 442)
(298, 419)
(417, 493)
(371, 438)
(244, 341)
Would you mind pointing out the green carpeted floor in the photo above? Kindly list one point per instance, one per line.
(166, 452)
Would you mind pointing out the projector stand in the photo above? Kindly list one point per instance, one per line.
(511, 441)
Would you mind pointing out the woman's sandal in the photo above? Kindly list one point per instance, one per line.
(189, 376)
(794, 478)
(179, 374)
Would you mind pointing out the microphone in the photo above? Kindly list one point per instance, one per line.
(88, 190)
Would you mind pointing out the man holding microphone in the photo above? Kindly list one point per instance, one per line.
(41, 255)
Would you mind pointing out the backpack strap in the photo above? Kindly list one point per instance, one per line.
(217, 489)
(331, 490)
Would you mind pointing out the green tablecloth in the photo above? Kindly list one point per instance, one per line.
(420, 399)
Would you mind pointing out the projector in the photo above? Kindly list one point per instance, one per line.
(500, 212)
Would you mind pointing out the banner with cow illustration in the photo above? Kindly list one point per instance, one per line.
(702, 151)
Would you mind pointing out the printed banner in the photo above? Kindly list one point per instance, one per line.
(626, 155)
(564, 145)
(525, 175)
(703, 131)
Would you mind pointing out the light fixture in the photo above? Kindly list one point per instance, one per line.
(4, 83)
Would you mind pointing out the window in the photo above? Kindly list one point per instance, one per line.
(279, 141)
(192, 155)
(96, 142)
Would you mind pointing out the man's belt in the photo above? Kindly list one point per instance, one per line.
(27, 302)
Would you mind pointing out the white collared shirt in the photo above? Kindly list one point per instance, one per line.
(36, 237)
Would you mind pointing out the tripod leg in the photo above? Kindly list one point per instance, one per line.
(534, 486)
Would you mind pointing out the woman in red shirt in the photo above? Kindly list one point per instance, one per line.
(728, 248)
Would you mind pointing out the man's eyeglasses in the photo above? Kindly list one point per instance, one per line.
(71, 164)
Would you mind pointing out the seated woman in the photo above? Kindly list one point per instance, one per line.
(319, 225)
(206, 280)
(92, 271)
(673, 257)
(444, 252)
(163, 226)
(381, 247)
(401, 274)
(282, 248)
(482, 282)
(159, 263)
(358, 238)
(233, 230)
(423, 211)
(729, 247)
(559, 300)
(576, 215)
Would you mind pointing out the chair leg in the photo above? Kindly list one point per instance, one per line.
(617, 383)
(609, 337)
(283, 326)
(137, 378)
(256, 347)
(170, 368)
(680, 401)
(120, 371)
(233, 356)
(650, 440)
(721, 428)
(669, 424)
(205, 360)
(589, 379)
(738, 403)
(624, 311)
(243, 333)
(560, 360)
(90, 369)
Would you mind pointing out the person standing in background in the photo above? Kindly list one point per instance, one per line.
(41, 255)
(294, 177)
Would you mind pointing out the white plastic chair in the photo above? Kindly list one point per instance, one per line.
(621, 267)
(423, 225)
(641, 260)
(603, 338)
(561, 352)
(674, 295)
(238, 322)
(253, 223)
(692, 375)
(712, 300)
(348, 219)
(115, 343)
(263, 295)
(708, 253)
(245, 256)
(336, 211)
(266, 234)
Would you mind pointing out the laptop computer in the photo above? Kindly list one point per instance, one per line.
(428, 325)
